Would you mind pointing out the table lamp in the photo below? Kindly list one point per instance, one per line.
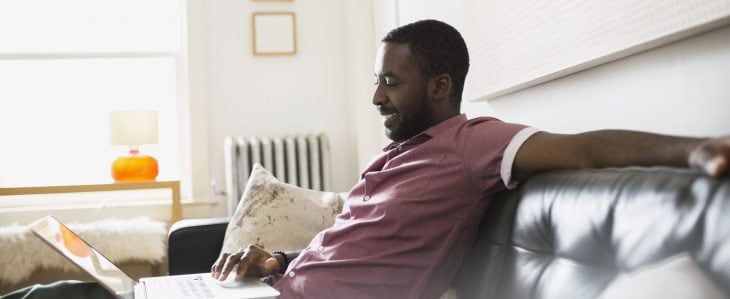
(134, 128)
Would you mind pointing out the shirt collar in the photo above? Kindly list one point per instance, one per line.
(429, 133)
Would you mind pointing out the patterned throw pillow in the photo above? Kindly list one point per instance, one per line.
(278, 216)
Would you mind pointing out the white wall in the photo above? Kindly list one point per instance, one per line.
(449, 11)
(680, 88)
(310, 91)
(361, 47)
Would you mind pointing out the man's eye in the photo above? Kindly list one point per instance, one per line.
(388, 83)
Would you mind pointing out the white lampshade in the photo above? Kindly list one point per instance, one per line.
(133, 127)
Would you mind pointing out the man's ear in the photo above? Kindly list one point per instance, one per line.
(439, 87)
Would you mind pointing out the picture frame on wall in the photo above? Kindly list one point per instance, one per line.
(274, 33)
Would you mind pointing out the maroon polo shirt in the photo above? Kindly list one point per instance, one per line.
(407, 224)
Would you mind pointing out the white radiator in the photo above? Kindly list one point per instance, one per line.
(302, 160)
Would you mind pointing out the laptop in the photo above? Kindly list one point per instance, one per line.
(200, 285)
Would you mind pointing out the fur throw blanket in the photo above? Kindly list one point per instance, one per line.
(120, 240)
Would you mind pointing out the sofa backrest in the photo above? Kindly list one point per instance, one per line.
(568, 234)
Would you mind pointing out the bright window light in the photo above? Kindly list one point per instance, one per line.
(89, 26)
(64, 66)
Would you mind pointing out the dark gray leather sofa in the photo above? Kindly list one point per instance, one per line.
(564, 234)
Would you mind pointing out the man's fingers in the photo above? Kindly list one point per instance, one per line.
(223, 272)
(717, 166)
(712, 156)
(231, 263)
(215, 270)
(242, 269)
(252, 261)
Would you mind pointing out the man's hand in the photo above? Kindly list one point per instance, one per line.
(252, 261)
(712, 156)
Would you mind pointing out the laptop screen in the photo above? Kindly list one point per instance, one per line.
(70, 245)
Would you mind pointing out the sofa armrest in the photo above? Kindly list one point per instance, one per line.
(194, 244)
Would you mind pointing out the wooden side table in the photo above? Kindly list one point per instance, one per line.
(174, 186)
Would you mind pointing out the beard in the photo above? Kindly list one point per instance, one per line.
(410, 123)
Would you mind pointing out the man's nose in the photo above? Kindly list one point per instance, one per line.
(378, 96)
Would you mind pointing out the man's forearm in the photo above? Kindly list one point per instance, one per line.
(607, 148)
(615, 148)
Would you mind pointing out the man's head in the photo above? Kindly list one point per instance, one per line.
(420, 70)
(437, 48)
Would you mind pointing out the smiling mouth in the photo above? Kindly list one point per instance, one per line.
(388, 119)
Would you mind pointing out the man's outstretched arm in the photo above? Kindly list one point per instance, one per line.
(616, 148)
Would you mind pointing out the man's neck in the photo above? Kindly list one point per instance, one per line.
(444, 116)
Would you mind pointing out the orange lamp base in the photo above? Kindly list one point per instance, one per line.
(134, 168)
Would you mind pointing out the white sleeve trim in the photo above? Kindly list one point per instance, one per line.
(508, 158)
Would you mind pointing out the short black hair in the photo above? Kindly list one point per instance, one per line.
(437, 48)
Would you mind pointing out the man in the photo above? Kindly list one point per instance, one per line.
(408, 223)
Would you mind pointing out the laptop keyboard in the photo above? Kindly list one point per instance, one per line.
(178, 287)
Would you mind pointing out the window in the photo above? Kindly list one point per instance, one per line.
(64, 65)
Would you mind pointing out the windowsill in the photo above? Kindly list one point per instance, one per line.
(98, 195)
(52, 207)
